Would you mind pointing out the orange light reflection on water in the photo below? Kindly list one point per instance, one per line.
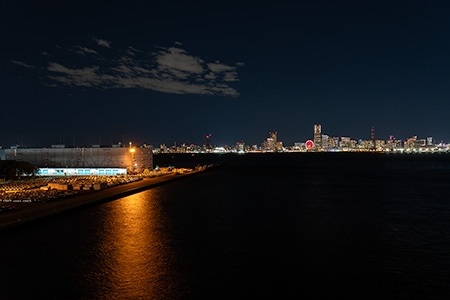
(134, 249)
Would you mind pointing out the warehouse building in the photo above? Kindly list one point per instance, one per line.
(136, 159)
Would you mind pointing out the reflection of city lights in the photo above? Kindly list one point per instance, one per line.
(132, 150)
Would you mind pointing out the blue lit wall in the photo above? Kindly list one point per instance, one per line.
(81, 171)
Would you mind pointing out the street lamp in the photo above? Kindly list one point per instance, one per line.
(132, 151)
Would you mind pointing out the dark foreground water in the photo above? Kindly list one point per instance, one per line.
(303, 226)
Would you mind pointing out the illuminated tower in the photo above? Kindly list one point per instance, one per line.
(208, 142)
(273, 135)
(270, 144)
(272, 141)
(317, 137)
(372, 136)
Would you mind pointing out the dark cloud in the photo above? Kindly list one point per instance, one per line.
(103, 43)
(169, 70)
(22, 64)
(84, 50)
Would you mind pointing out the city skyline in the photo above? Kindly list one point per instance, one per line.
(319, 143)
(318, 140)
(108, 139)
(177, 71)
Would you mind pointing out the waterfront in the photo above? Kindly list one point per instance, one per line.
(320, 225)
(65, 200)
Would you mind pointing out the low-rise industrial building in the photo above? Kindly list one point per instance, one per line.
(80, 171)
(136, 159)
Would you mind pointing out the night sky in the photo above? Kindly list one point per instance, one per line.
(174, 71)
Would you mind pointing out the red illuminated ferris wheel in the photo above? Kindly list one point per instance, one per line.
(309, 144)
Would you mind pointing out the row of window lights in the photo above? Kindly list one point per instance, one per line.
(83, 172)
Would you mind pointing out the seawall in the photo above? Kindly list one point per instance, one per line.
(37, 211)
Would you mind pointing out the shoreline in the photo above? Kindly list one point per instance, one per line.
(38, 211)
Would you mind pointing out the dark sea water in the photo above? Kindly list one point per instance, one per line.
(283, 226)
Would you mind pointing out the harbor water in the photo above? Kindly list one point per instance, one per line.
(287, 226)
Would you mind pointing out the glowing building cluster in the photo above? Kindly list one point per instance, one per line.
(325, 143)
(319, 142)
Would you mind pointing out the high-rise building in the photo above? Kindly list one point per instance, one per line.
(264, 145)
(240, 146)
(412, 143)
(208, 142)
(270, 144)
(317, 137)
(345, 142)
(273, 135)
(333, 142)
(325, 144)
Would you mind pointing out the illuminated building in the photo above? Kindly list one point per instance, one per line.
(333, 142)
(398, 144)
(272, 141)
(325, 141)
(279, 146)
(270, 144)
(317, 137)
(379, 144)
(364, 145)
(298, 146)
(273, 135)
(81, 171)
(240, 147)
(345, 143)
(208, 142)
(135, 159)
(411, 143)
(390, 144)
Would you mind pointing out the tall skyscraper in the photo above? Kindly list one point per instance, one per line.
(317, 137)
(208, 142)
(273, 135)
(270, 144)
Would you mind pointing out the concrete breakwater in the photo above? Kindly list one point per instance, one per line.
(35, 211)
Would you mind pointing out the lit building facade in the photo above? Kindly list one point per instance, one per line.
(135, 159)
(325, 142)
(81, 171)
(317, 137)
(271, 143)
